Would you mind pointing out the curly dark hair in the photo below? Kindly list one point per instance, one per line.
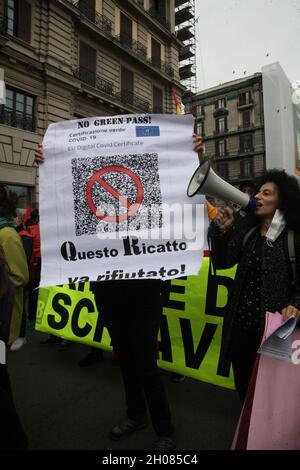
(289, 195)
(8, 202)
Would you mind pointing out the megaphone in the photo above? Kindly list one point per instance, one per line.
(206, 181)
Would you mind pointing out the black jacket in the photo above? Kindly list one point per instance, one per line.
(277, 287)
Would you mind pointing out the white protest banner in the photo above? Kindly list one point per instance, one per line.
(113, 200)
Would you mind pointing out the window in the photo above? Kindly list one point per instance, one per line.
(18, 19)
(246, 119)
(221, 148)
(18, 111)
(188, 108)
(127, 85)
(221, 125)
(247, 168)
(200, 128)
(155, 53)
(87, 8)
(24, 196)
(125, 30)
(158, 7)
(246, 143)
(200, 110)
(157, 100)
(244, 98)
(87, 64)
(220, 103)
(222, 170)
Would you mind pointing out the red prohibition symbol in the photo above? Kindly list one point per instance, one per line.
(132, 208)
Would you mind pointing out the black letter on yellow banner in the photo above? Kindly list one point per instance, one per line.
(193, 359)
(211, 309)
(62, 311)
(77, 330)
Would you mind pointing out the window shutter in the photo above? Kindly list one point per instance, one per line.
(161, 8)
(242, 143)
(87, 7)
(246, 118)
(156, 52)
(24, 20)
(87, 62)
(127, 85)
(126, 30)
(157, 100)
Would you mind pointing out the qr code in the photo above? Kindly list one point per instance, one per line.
(116, 193)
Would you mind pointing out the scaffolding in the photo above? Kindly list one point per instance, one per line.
(185, 31)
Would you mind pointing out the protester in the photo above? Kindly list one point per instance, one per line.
(12, 433)
(264, 280)
(15, 257)
(27, 241)
(132, 312)
(33, 228)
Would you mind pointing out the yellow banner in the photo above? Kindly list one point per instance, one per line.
(191, 328)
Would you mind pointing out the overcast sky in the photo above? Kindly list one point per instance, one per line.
(237, 36)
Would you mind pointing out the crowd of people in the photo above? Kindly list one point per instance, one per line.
(265, 281)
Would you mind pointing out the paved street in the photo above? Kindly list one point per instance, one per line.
(65, 407)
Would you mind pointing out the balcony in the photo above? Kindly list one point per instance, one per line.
(129, 97)
(246, 150)
(221, 112)
(158, 64)
(246, 125)
(99, 83)
(95, 81)
(134, 46)
(161, 19)
(139, 50)
(15, 119)
(103, 23)
(220, 131)
(222, 155)
(245, 104)
(127, 42)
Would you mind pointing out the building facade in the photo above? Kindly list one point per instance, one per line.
(65, 59)
(230, 119)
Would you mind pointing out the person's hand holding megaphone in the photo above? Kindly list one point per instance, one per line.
(224, 218)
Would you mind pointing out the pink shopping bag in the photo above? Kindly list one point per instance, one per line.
(270, 418)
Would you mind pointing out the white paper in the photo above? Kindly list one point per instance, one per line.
(279, 344)
(148, 161)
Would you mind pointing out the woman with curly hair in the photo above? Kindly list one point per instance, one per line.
(264, 279)
(11, 244)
